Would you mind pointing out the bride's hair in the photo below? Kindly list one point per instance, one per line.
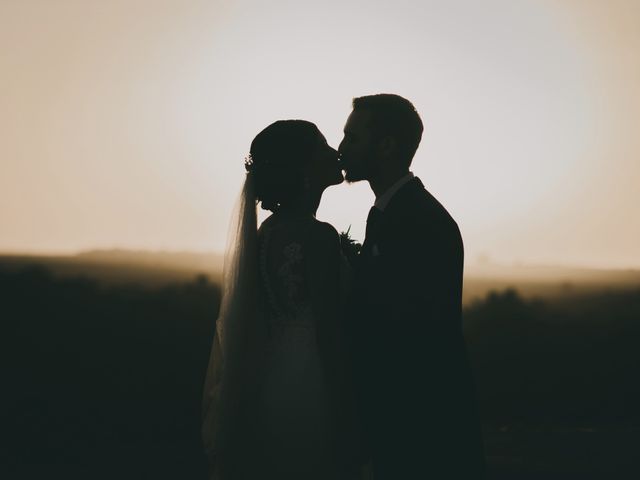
(278, 158)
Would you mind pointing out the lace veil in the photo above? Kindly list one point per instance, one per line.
(233, 370)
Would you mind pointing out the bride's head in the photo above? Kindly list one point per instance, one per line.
(292, 164)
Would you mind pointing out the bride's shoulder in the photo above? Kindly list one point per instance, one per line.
(266, 223)
(267, 226)
(324, 232)
(312, 232)
(323, 238)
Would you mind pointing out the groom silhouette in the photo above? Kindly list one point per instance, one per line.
(411, 372)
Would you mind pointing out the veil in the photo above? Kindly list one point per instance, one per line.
(233, 370)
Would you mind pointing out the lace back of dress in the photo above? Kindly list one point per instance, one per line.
(282, 266)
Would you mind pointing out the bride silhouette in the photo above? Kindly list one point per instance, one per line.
(277, 396)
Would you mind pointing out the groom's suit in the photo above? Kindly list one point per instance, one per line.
(411, 371)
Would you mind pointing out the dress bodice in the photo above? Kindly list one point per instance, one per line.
(285, 284)
(284, 246)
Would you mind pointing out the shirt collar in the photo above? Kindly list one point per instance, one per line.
(383, 200)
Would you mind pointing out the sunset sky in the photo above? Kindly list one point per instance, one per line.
(124, 123)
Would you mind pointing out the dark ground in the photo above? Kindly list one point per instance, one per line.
(105, 382)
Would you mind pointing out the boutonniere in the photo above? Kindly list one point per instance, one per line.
(350, 248)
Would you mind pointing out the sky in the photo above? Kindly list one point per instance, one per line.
(124, 124)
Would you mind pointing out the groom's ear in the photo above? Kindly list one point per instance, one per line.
(387, 146)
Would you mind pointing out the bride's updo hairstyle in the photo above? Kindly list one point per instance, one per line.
(278, 159)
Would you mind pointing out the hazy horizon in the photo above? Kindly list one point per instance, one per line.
(480, 265)
(125, 124)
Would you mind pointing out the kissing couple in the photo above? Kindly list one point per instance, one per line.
(325, 367)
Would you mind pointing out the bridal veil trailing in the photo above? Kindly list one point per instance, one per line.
(229, 405)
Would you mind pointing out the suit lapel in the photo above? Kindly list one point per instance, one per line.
(400, 201)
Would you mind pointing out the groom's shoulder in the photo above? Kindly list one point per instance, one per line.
(420, 201)
(428, 210)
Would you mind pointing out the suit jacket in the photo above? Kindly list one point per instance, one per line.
(411, 370)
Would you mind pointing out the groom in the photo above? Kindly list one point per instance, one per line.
(411, 372)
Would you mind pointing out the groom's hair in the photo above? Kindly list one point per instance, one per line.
(394, 116)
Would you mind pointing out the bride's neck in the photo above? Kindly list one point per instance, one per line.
(306, 206)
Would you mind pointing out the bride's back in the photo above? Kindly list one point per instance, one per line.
(294, 392)
(284, 242)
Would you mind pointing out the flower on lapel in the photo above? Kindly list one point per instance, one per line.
(350, 248)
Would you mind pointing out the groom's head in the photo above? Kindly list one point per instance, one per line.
(381, 136)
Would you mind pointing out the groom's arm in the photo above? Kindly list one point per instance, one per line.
(425, 296)
(426, 274)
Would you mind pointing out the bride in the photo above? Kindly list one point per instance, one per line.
(277, 394)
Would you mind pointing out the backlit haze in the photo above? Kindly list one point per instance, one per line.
(124, 124)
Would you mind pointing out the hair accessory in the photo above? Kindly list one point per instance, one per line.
(248, 163)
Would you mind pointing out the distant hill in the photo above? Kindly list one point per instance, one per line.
(125, 266)
(194, 261)
(552, 272)
(158, 268)
(545, 281)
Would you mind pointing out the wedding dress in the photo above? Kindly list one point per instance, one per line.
(296, 433)
(271, 407)
(266, 404)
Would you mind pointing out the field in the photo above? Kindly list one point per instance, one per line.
(106, 359)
